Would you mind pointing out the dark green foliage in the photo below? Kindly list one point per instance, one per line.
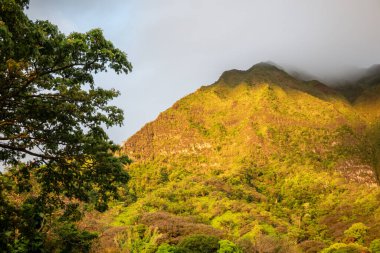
(166, 248)
(71, 239)
(200, 244)
(51, 109)
(51, 127)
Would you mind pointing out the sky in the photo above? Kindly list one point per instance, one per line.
(176, 46)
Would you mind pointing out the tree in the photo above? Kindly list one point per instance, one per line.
(228, 247)
(375, 246)
(345, 248)
(51, 122)
(356, 232)
(166, 248)
(200, 243)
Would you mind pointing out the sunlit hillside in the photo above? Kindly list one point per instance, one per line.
(258, 160)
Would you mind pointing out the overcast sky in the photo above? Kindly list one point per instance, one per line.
(176, 46)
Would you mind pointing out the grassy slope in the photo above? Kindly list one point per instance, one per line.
(258, 153)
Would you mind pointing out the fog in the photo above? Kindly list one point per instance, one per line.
(176, 46)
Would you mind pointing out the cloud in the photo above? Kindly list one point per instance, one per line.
(177, 46)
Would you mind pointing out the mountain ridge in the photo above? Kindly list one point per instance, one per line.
(260, 154)
(272, 84)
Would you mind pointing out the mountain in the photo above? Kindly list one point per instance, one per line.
(368, 102)
(360, 83)
(254, 115)
(262, 159)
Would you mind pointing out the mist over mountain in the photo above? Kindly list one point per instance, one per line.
(343, 76)
(350, 81)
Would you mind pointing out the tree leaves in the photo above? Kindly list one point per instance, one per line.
(52, 116)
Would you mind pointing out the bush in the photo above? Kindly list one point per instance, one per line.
(200, 244)
(175, 228)
(375, 246)
(345, 248)
(71, 239)
(267, 243)
(311, 246)
(228, 247)
(356, 232)
(139, 238)
(166, 248)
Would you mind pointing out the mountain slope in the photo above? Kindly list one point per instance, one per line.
(246, 115)
(368, 101)
(259, 156)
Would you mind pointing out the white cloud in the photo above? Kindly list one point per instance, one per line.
(177, 46)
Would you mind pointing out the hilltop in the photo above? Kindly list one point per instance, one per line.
(261, 159)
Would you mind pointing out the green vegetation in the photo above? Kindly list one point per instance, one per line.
(345, 248)
(375, 246)
(256, 162)
(200, 244)
(356, 232)
(59, 160)
(265, 161)
(226, 246)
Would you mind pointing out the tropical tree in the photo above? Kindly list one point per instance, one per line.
(52, 116)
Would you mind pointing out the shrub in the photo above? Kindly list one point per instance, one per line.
(200, 244)
(311, 246)
(174, 228)
(228, 247)
(356, 232)
(71, 239)
(139, 238)
(266, 243)
(375, 246)
(345, 248)
(166, 248)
